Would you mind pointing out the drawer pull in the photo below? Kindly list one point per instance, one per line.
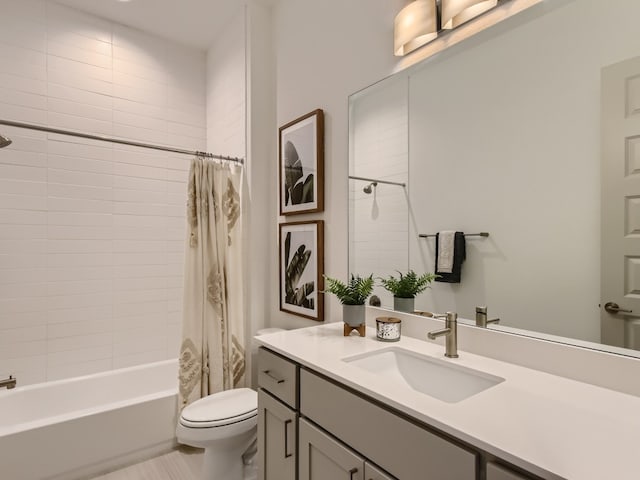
(273, 377)
(286, 439)
(351, 472)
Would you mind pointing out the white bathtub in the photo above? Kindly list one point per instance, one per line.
(79, 427)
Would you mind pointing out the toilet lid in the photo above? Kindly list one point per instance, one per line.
(220, 409)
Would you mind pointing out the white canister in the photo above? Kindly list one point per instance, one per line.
(388, 329)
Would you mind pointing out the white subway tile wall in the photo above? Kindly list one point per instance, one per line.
(91, 233)
(378, 226)
(226, 92)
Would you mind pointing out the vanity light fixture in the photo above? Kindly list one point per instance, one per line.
(421, 21)
(415, 26)
(457, 12)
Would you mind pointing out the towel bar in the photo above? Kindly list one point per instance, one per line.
(481, 234)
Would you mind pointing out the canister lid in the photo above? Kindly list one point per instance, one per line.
(387, 320)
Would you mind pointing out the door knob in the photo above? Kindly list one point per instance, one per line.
(613, 308)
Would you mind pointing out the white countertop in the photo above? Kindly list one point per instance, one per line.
(549, 425)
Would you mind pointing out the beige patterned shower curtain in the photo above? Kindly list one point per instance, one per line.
(212, 353)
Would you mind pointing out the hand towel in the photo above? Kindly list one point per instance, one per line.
(445, 250)
(459, 256)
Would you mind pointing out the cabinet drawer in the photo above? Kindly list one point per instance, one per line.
(277, 376)
(405, 450)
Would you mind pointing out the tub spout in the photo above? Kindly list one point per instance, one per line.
(9, 383)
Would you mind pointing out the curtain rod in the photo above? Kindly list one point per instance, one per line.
(103, 138)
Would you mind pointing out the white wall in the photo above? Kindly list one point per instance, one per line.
(511, 145)
(91, 242)
(326, 51)
(226, 90)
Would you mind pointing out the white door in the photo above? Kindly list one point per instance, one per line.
(620, 260)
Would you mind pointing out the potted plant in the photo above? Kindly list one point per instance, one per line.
(406, 288)
(352, 295)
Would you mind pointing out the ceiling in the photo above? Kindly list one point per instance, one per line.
(190, 22)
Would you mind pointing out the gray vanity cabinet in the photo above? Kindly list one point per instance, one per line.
(372, 473)
(276, 438)
(497, 472)
(324, 458)
(403, 448)
(314, 428)
(277, 417)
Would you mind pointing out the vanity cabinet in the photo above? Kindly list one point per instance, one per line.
(314, 428)
(414, 451)
(372, 473)
(498, 472)
(277, 417)
(276, 438)
(322, 457)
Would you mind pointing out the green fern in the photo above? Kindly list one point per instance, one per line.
(408, 285)
(353, 293)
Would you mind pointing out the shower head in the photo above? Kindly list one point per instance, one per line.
(369, 188)
(4, 141)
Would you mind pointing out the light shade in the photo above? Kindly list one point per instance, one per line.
(456, 12)
(415, 25)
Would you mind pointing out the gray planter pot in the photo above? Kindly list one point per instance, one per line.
(353, 315)
(404, 304)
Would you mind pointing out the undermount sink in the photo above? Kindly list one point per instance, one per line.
(437, 378)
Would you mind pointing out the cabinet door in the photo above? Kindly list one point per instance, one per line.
(324, 458)
(276, 439)
(497, 472)
(373, 473)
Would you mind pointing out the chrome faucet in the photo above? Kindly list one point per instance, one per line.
(8, 382)
(481, 317)
(451, 331)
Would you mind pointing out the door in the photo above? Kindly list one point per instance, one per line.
(324, 458)
(620, 258)
(276, 439)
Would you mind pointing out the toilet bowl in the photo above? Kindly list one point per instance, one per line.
(225, 425)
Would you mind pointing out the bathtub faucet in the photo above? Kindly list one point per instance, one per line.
(8, 382)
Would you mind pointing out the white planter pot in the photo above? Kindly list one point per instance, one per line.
(353, 315)
(404, 304)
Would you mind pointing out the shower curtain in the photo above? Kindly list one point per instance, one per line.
(212, 353)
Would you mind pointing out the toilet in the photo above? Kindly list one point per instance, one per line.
(225, 425)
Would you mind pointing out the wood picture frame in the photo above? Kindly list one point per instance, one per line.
(301, 267)
(301, 164)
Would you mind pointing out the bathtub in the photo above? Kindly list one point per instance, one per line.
(80, 427)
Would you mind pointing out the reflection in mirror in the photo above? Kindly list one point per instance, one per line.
(504, 134)
(378, 226)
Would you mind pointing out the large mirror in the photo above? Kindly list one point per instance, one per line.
(529, 132)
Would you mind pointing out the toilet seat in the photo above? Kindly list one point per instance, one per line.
(221, 409)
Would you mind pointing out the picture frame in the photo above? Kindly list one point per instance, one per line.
(301, 267)
(301, 164)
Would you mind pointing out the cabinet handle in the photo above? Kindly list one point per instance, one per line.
(351, 472)
(273, 377)
(286, 438)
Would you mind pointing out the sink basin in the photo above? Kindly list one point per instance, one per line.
(437, 378)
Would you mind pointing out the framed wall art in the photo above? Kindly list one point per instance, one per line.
(301, 164)
(301, 269)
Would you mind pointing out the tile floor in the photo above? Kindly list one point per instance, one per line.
(182, 464)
